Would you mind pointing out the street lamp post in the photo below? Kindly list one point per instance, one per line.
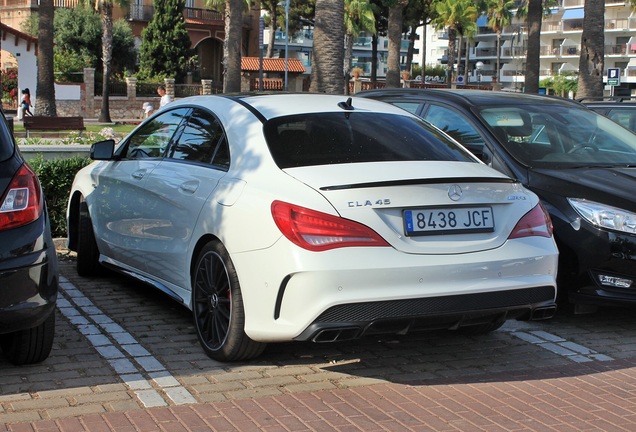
(479, 66)
(286, 41)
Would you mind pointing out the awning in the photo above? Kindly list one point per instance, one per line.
(482, 21)
(632, 63)
(573, 14)
(569, 43)
(485, 44)
(567, 67)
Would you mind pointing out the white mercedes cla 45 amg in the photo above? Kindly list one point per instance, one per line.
(311, 218)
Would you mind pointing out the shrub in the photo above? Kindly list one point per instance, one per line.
(56, 177)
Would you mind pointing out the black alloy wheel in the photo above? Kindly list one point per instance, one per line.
(217, 307)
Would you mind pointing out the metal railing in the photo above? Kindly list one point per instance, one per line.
(115, 88)
(146, 89)
(185, 90)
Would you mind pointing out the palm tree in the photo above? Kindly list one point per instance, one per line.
(105, 8)
(358, 17)
(591, 60)
(232, 46)
(396, 18)
(327, 56)
(499, 13)
(533, 19)
(455, 15)
(46, 82)
(533, 11)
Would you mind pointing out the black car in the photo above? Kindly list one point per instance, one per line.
(620, 109)
(28, 262)
(581, 164)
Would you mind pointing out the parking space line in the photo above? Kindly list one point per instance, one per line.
(117, 346)
(556, 344)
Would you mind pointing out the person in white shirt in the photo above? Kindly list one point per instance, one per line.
(147, 109)
(165, 98)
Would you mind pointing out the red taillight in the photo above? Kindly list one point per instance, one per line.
(536, 222)
(22, 203)
(317, 231)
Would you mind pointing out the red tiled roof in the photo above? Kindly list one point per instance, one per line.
(251, 64)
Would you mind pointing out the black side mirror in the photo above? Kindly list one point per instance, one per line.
(103, 150)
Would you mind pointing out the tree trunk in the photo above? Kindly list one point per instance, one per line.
(374, 57)
(452, 47)
(106, 13)
(395, 43)
(232, 46)
(591, 61)
(272, 35)
(348, 60)
(467, 60)
(535, 14)
(328, 56)
(45, 93)
(497, 71)
(423, 50)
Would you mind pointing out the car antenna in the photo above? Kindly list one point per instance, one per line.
(346, 105)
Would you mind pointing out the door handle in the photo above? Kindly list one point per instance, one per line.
(189, 186)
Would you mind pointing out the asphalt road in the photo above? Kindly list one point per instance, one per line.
(122, 347)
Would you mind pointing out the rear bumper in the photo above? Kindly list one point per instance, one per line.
(290, 294)
(28, 278)
(355, 320)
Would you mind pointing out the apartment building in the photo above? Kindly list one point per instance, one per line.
(560, 47)
(300, 46)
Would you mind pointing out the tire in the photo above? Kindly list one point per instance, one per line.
(31, 345)
(217, 307)
(87, 252)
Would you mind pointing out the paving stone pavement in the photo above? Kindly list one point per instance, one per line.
(127, 359)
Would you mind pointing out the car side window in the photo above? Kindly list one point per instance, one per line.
(153, 138)
(624, 117)
(456, 125)
(203, 140)
(411, 107)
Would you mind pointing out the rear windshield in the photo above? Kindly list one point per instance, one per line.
(340, 138)
(6, 143)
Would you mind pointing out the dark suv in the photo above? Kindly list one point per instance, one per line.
(28, 263)
(620, 109)
(580, 163)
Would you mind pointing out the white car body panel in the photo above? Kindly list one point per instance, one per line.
(285, 287)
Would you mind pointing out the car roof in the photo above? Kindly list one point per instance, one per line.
(467, 97)
(609, 101)
(267, 106)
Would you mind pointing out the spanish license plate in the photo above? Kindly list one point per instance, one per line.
(448, 220)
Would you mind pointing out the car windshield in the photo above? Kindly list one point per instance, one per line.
(350, 137)
(548, 136)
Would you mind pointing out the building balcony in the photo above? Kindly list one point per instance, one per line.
(203, 16)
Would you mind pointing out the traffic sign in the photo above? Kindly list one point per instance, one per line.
(459, 80)
(613, 76)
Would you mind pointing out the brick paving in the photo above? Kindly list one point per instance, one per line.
(570, 373)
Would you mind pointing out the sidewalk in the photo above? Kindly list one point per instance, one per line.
(591, 396)
(118, 343)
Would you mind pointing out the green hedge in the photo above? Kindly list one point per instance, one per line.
(56, 177)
